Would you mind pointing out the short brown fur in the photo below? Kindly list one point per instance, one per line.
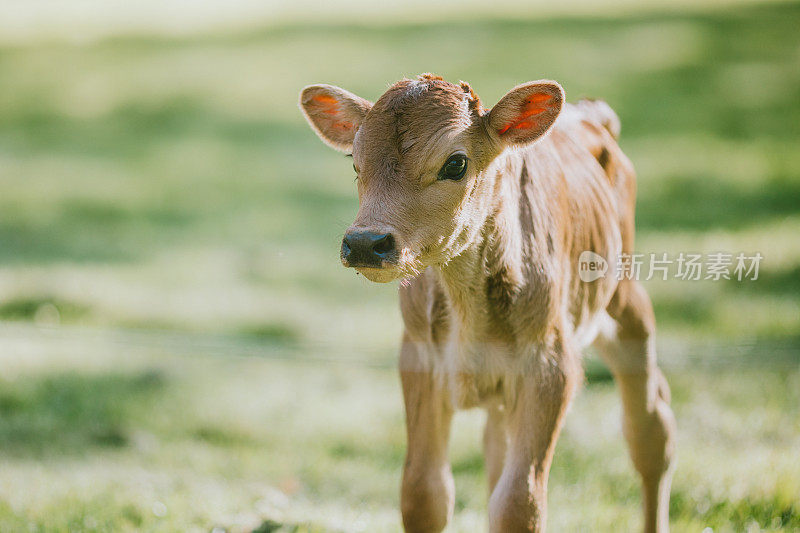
(495, 313)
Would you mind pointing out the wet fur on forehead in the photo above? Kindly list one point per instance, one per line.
(414, 116)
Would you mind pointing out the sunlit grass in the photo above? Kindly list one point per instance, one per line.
(156, 156)
(147, 439)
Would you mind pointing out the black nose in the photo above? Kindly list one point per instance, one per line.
(367, 249)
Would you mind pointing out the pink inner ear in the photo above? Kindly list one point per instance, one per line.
(330, 106)
(325, 99)
(531, 106)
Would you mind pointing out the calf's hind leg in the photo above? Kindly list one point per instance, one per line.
(648, 422)
(428, 494)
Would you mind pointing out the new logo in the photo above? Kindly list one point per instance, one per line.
(591, 266)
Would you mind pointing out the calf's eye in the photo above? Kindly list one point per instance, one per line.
(454, 168)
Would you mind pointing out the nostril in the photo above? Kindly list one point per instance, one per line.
(345, 248)
(384, 244)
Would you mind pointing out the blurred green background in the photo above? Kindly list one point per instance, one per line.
(180, 348)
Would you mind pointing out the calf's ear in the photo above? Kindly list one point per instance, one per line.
(526, 112)
(335, 114)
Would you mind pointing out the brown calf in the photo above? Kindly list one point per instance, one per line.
(483, 214)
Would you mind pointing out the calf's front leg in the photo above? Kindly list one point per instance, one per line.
(495, 442)
(428, 494)
(519, 501)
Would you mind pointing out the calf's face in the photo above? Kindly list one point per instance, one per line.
(421, 155)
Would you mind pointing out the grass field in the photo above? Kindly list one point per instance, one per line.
(176, 335)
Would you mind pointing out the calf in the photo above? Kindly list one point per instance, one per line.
(482, 215)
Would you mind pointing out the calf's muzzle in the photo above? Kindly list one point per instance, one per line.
(368, 249)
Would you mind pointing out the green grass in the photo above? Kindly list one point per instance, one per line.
(181, 349)
(188, 159)
(136, 436)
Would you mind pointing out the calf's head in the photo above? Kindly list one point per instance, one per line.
(422, 156)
